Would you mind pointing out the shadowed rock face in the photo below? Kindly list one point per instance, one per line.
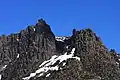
(34, 45)
(22, 54)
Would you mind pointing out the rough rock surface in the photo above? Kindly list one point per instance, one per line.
(22, 54)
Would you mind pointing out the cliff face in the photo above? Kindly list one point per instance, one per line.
(23, 52)
(36, 54)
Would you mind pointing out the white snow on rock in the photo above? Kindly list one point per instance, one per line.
(62, 39)
(64, 63)
(34, 29)
(4, 66)
(117, 63)
(119, 59)
(67, 47)
(46, 65)
(0, 76)
(48, 75)
(17, 39)
(18, 55)
(2, 70)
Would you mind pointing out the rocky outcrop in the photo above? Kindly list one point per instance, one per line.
(33, 45)
(95, 57)
(81, 56)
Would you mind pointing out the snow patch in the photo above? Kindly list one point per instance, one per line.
(46, 65)
(117, 63)
(119, 59)
(48, 75)
(64, 63)
(60, 39)
(4, 66)
(49, 62)
(34, 29)
(17, 39)
(41, 74)
(18, 55)
(0, 76)
(67, 47)
(41, 71)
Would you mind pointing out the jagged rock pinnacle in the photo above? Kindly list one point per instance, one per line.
(41, 21)
(22, 54)
(42, 26)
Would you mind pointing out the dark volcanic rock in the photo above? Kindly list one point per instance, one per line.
(22, 54)
(95, 57)
(33, 45)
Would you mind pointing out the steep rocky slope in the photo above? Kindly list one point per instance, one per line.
(36, 54)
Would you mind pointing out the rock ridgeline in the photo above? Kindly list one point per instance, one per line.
(21, 54)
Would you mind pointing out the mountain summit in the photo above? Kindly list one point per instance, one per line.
(37, 54)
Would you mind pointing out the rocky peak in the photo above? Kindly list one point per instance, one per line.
(95, 57)
(42, 27)
(36, 54)
(41, 21)
(27, 48)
